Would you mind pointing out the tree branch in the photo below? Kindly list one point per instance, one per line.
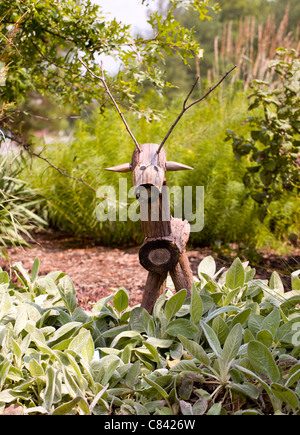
(61, 172)
(185, 107)
(102, 79)
(26, 147)
(77, 179)
(43, 118)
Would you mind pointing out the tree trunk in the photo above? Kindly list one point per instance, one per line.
(155, 286)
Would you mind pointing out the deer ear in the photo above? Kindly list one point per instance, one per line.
(126, 167)
(174, 166)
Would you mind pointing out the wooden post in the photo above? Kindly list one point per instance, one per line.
(155, 286)
(186, 269)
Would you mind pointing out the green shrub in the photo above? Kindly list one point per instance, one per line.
(273, 150)
(198, 140)
(18, 203)
(232, 347)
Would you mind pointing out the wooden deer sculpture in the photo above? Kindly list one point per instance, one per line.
(164, 247)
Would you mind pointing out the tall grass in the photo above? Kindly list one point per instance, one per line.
(198, 140)
(18, 203)
(251, 47)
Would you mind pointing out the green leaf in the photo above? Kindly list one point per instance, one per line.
(235, 276)
(242, 317)
(221, 329)
(296, 280)
(157, 387)
(25, 278)
(104, 368)
(4, 369)
(63, 332)
(255, 322)
(68, 294)
(232, 343)
(196, 308)
(35, 269)
(251, 374)
(142, 321)
(133, 374)
(4, 278)
(211, 338)
(246, 389)
(48, 394)
(195, 350)
(227, 309)
(66, 408)
(293, 378)
(285, 395)
(286, 333)
(216, 409)
(207, 266)
(121, 300)
(264, 336)
(126, 334)
(159, 342)
(46, 285)
(272, 322)
(83, 345)
(231, 295)
(290, 302)
(35, 368)
(182, 326)
(262, 360)
(21, 319)
(174, 304)
(158, 306)
(185, 366)
(276, 283)
(248, 336)
(154, 354)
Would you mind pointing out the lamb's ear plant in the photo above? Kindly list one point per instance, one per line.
(231, 348)
(267, 373)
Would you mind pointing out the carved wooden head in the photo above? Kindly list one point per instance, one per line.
(149, 168)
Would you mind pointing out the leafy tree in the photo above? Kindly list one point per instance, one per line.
(273, 150)
(43, 41)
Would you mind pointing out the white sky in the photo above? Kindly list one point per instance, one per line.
(129, 12)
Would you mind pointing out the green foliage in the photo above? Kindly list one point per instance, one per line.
(274, 147)
(18, 203)
(225, 350)
(243, 32)
(42, 42)
(198, 141)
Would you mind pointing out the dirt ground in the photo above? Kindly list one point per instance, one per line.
(98, 271)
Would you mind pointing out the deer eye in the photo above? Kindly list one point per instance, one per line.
(143, 167)
(156, 168)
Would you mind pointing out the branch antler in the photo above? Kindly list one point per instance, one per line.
(102, 79)
(185, 107)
